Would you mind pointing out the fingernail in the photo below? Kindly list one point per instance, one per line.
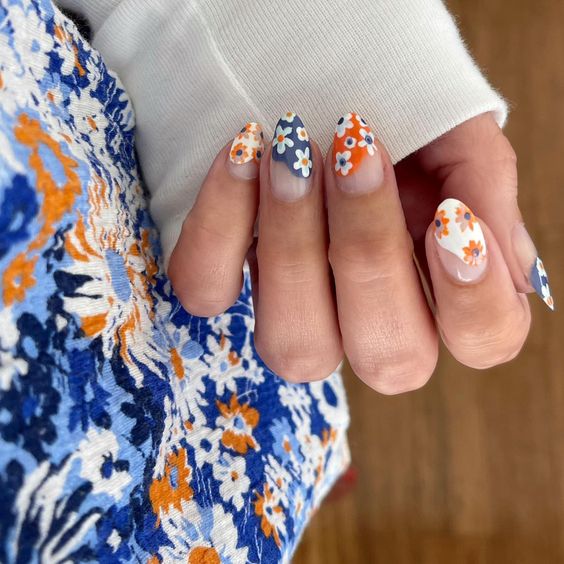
(460, 241)
(356, 160)
(291, 166)
(246, 151)
(533, 269)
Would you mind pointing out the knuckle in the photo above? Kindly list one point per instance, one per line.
(400, 372)
(296, 363)
(490, 344)
(289, 266)
(204, 307)
(369, 259)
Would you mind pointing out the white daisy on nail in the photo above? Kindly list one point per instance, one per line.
(289, 117)
(343, 124)
(342, 162)
(303, 162)
(302, 134)
(350, 142)
(367, 140)
(281, 139)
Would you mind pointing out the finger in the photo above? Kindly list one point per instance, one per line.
(482, 318)
(207, 263)
(387, 329)
(477, 164)
(296, 331)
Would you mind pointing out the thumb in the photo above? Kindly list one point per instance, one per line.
(476, 163)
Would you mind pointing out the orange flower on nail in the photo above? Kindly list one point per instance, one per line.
(239, 154)
(474, 253)
(465, 218)
(441, 222)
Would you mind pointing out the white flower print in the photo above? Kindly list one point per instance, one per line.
(10, 366)
(201, 534)
(350, 142)
(367, 140)
(97, 454)
(230, 471)
(303, 162)
(332, 401)
(343, 124)
(289, 117)
(281, 139)
(302, 134)
(342, 162)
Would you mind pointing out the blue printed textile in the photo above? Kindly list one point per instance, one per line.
(130, 431)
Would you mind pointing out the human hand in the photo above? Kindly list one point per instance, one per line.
(342, 277)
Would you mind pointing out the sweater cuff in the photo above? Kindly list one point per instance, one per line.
(197, 70)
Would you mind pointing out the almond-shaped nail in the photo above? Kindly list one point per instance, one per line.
(246, 152)
(291, 165)
(357, 162)
(461, 244)
(532, 266)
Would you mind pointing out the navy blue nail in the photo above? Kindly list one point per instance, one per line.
(291, 145)
(539, 280)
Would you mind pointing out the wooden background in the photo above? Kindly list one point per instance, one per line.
(471, 468)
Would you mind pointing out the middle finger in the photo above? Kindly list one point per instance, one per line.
(388, 331)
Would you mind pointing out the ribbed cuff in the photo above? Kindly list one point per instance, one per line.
(196, 71)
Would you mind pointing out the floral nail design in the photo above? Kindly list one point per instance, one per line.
(457, 230)
(291, 145)
(248, 145)
(352, 142)
(539, 280)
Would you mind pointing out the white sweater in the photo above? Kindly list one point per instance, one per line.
(197, 70)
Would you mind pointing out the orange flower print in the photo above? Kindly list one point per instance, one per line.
(238, 422)
(465, 218)
(248, 145)
(203, 555)
(173, 488)
(239, 154)
(441, 222)
(272, 520)
(474, 253)
(18, 277)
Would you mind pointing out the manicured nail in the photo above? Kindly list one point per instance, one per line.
(246, 151)
(533, 269)
(357, 162)
(291, 166)
(460, 241)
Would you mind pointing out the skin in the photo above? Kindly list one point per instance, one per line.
(342, 279)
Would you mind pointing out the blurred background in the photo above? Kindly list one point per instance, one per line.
(470, 469)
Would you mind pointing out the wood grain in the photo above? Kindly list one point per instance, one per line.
(471, 468)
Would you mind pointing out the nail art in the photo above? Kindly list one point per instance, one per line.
(353, 142)
(457, 230)
(248, 145)
(291, 145)
(539, 280)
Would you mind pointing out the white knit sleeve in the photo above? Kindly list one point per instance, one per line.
(197, 70)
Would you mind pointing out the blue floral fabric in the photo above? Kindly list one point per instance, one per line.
(130, 431)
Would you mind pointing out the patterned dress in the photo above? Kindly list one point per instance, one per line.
(130, 431)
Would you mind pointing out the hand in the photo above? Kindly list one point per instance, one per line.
(341, 277)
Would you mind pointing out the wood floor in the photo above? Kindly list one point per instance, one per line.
(471, 468)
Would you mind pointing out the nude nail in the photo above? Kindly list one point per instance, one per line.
(246, 152)
(534, 273)
(460, 241)
(357, 163)
(291, 165)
